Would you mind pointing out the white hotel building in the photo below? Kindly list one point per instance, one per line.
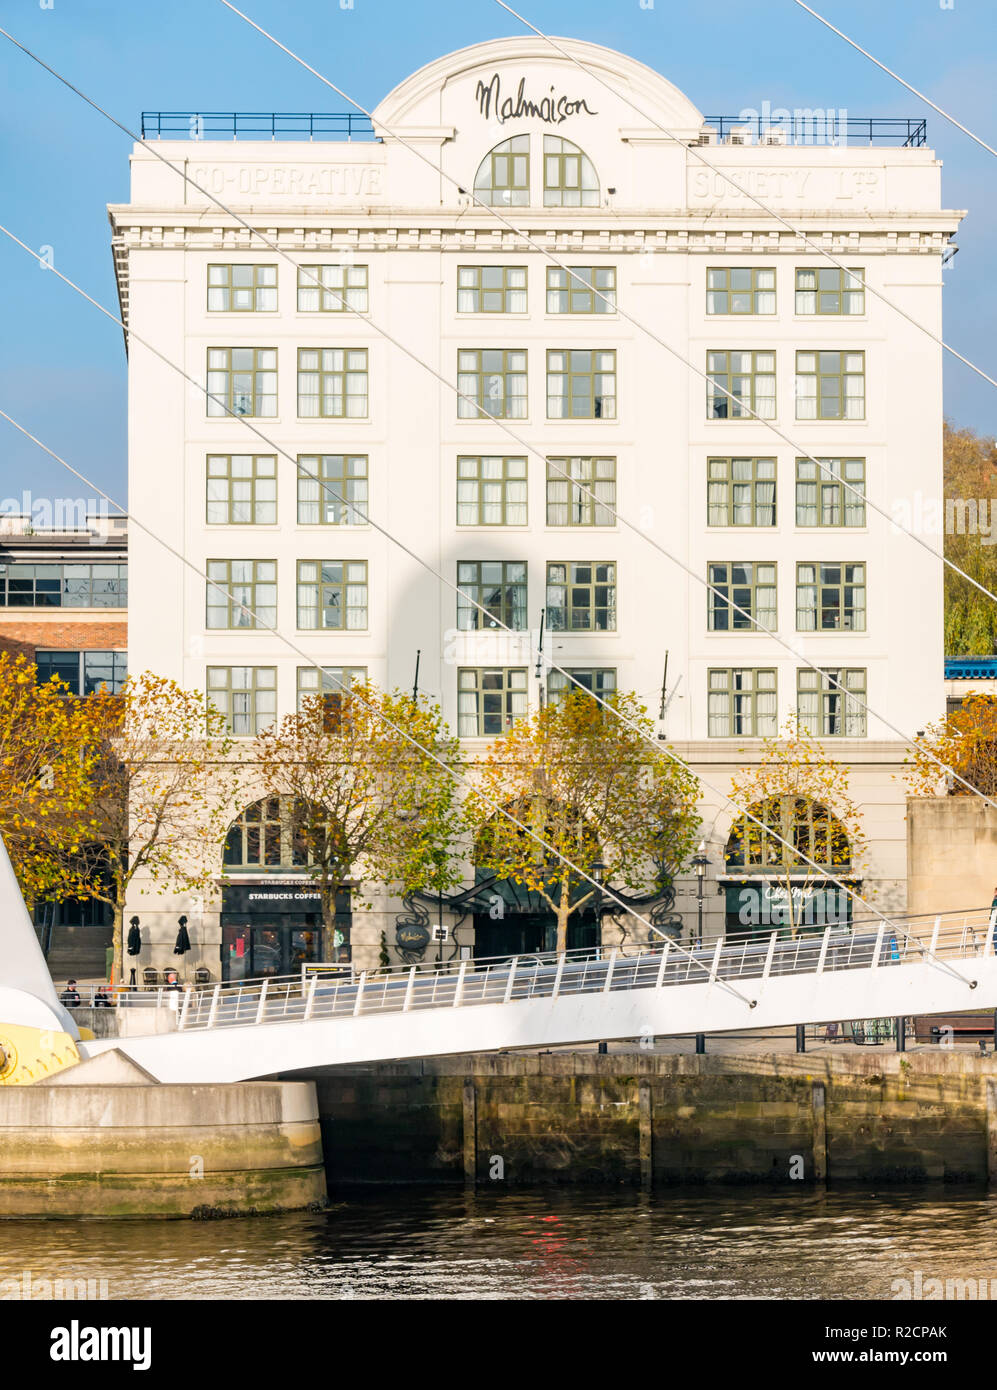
(597, 184)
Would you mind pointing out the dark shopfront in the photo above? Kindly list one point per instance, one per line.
(273, 928)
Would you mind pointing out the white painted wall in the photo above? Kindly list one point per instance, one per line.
(877, 207)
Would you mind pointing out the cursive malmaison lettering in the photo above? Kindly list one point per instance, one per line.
(553, 109)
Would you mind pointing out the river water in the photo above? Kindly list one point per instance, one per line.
(537, 1244)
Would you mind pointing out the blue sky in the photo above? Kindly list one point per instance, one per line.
(62, 366)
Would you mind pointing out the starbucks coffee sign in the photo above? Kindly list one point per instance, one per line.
(494, 102)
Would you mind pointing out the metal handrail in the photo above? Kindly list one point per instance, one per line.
(269, 125)
(797, 127)
(824, 128)
(549, 975)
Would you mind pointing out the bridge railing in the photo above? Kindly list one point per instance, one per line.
(338, 992)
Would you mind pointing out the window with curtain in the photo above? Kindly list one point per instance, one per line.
(741, 701)
(830, 598)
(751, 586)
(499, 587)
(570, 180)
(831, 495)
(741, 491)
(503, 177)
(491, 289)
(827, 710)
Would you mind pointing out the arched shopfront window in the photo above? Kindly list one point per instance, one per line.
(272, 914)
(512, 919)
(503, 177)
(570, 180)
(272, 835)
(770, 885)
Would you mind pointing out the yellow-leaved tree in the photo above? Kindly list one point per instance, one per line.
(368, 777)
(45, 759)
(964, 740)
(594, 790)
(157, 772)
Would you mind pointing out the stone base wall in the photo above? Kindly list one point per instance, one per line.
(658, 1120)
(148, 1150)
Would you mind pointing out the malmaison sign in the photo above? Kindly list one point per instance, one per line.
(553, 109)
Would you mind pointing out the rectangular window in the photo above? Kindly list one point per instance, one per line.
(243, 289)
(825, 711)
(499, 586)
(245, 695)
(489, 700)
(491, 491)
(331, 682)
(245, 596)
(332, 383)
(581, 385)
(63, 586)
(242, 381)
(822, 499)
(83, 672)
(740, 492)
(752, 587)
(331, 489)
(741, 702)
(332, 595)
(598, 680)
(491, 289)
(581, 491)
(750, 379)
(830, 290)
(241, 489)
(332, 289)
(581, 597)
(581, 289)
(492, 383)
(737, 290)
(830, 598)
(830, 386)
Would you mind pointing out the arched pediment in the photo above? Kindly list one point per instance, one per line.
(446, 92)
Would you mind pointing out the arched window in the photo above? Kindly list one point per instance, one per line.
(503, 177)
(809, 827)
(570, 180)
(272, 834)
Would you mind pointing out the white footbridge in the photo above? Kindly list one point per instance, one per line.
(244, 1030)
(329, 1016)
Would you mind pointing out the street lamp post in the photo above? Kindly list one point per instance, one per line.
(597, 870)
(700, 863)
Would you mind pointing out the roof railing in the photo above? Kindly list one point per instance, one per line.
(820, 127)
(829, 127)
(255, 125)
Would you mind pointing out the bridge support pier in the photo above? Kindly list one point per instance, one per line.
(901, 1031)
(801, 1037)
(470, 1126)
(818, 1100)
(992, 1133)
(646, 1117)
(700, 1044)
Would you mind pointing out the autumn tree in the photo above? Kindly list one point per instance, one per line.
(156, 771)
(368, 777)
(810, 826)
(45, 809)
(970, 462)
(965, 740)
(591, 786)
